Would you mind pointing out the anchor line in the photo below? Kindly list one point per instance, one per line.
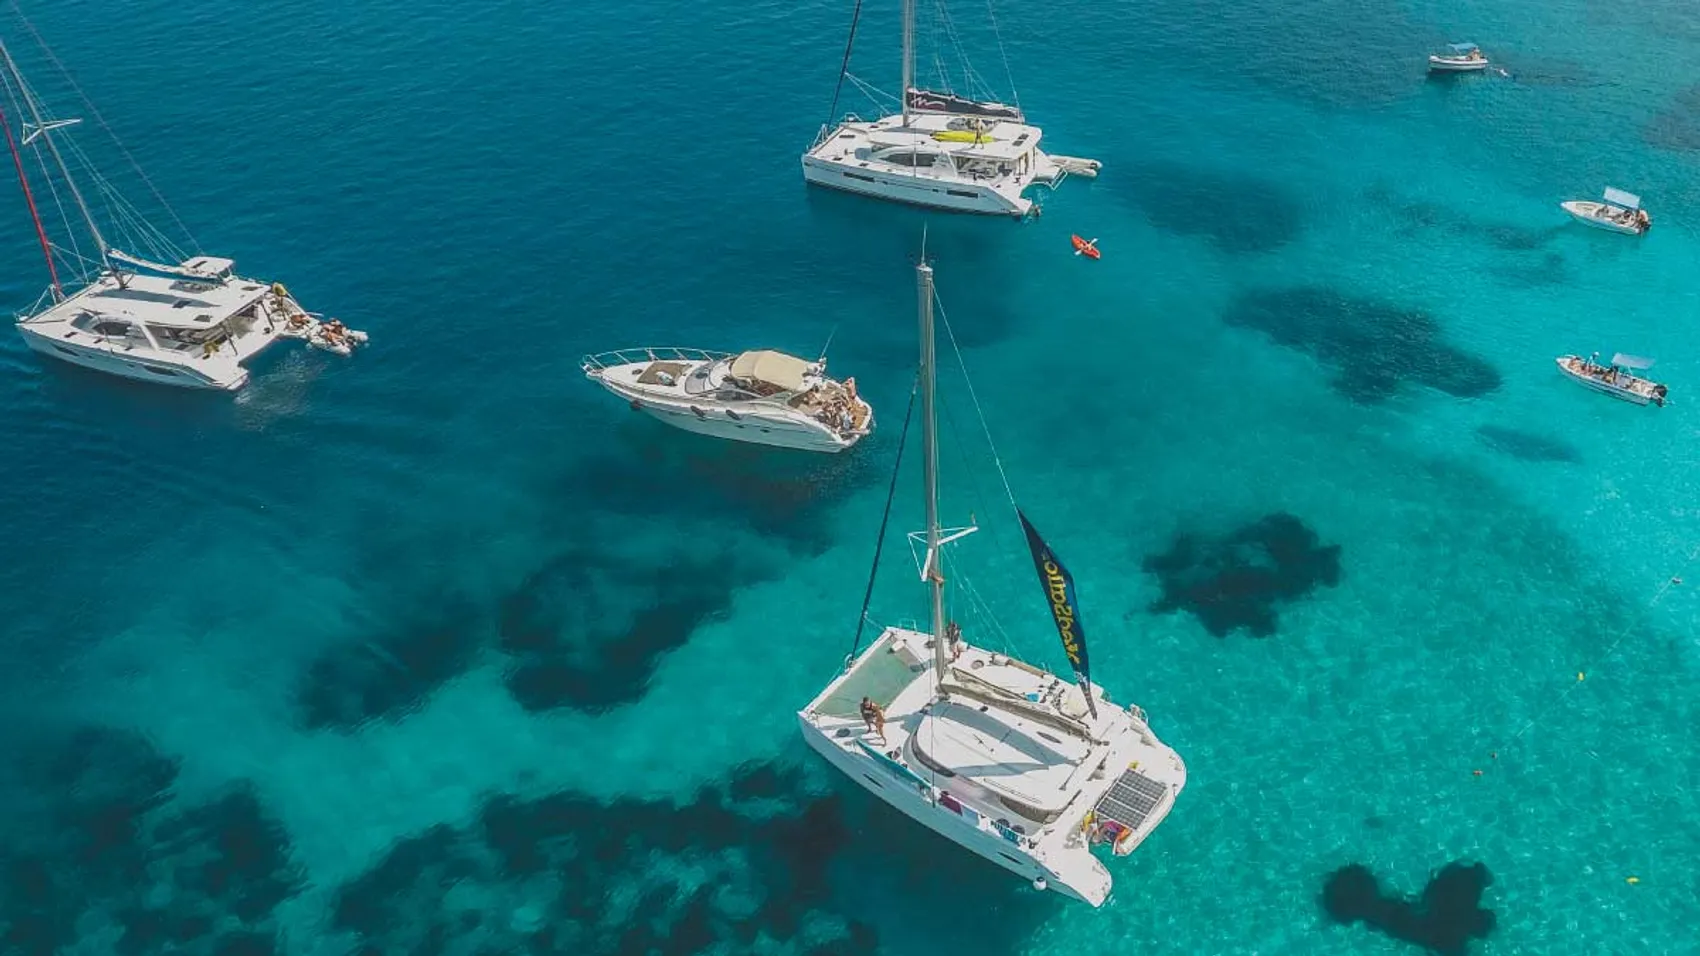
(1611, 651)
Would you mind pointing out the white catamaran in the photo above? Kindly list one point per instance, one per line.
(941, 151)
(193, 324)
(1025, 768)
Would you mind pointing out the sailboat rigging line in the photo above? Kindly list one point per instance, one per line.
(843, 69)
(98, 118)
(978, 410)
(1009, 75)
(29, 198)
(1670, 582)
(879, 545)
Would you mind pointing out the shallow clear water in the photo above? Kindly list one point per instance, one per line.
(439, 648)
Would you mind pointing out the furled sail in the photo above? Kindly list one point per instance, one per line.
(928, 101)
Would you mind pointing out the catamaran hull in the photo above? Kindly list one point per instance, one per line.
(115, 361)
(912, 190)
(912, 804)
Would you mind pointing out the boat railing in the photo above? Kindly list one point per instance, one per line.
(827, 129)
(603, 360)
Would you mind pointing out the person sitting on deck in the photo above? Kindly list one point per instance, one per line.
(874, 717)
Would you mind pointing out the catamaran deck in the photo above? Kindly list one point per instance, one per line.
(1041, 779)
(1002, 142)
(172, 330)
(157, 301)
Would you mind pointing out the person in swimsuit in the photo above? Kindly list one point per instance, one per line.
(873, 716)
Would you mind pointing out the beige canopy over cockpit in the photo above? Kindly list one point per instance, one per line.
(775, 369)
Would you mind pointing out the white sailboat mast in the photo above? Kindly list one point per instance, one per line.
(934, 571)
(908, 62)
(44, 128)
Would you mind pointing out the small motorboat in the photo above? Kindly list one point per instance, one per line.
(1618, 212)
(1617, 379)
(1458, 58)
(1085, 247)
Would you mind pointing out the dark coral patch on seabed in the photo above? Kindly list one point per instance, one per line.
(1374, 347)
(1677, 126)
(1239, 214)
(598, 877)
(1238, 580)
(1527, 446)
(109, 856)
(1442, 920)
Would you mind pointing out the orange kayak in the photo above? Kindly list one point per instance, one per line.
(1085, 247)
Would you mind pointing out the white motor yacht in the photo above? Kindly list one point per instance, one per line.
(763, 397)
(1032, 771)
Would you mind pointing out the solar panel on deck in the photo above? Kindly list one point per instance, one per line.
(1131, 799)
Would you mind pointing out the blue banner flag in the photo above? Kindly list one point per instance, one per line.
(1059, 594)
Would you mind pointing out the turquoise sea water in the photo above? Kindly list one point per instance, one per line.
(440, 650)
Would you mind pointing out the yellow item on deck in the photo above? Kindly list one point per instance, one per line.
(962, 136)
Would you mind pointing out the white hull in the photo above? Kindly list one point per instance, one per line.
(915, 805)
(699, 392)
(1636, 391)
(1057, 852)
(115, 360)
(911, 189)
(1449, 64)
(940, 161)
(1596, 214)
(715, 424)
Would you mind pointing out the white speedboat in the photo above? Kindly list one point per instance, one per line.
(1618, 212)
(1459, 58)
(1032, 771)
(941, 151)
(763, 397)
(188, 321)
(1617, 379)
